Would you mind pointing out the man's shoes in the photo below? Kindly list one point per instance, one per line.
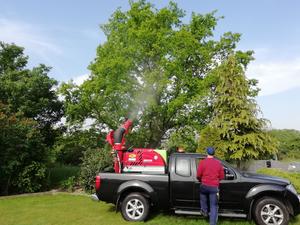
(203, 213)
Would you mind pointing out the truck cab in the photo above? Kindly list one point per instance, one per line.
(183, 172)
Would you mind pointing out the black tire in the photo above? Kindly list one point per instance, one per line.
(270, 211)
(135, 207)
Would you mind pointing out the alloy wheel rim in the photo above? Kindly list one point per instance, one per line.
(272, 214)
(135, 209)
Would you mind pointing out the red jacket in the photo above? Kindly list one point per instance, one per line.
(210, 172)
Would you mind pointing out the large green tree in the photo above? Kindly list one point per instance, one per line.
(29, 91)
(236, 129)
(29, 109)
(152, 67)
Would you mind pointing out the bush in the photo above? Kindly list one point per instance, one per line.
(30, 179)
(69, 184)
(61, 173)
(289, 143)
(94, 160)
(23, 156)
(71, 147)
(294, 177)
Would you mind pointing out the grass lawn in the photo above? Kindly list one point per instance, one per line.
(67, 209)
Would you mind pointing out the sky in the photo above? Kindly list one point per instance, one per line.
(65, 34)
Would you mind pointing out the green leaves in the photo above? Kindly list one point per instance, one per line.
(289, 143)
(30, 92)
(29, 108)
(11, 58)
(94, 161)
(22, 153)
(235, 130)
(154, 68)
(70, 148)
(202, 26)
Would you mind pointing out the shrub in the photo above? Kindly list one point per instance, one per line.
(69, 184)
(23, 156)
(60, 173)
(289, 143)
(94, 160)
(71, 147)
(30, 179)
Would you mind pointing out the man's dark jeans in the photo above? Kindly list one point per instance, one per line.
(208, 193)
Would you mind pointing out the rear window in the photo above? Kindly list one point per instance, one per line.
(197, 162)
(183, 167)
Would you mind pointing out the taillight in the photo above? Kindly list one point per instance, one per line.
(97, 183)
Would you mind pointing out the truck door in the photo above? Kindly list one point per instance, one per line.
(231, 191)
(182, 183)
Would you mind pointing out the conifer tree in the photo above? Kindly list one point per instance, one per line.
(235, 128)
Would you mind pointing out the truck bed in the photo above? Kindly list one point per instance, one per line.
(113, 183)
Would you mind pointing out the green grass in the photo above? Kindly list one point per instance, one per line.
(67, 209)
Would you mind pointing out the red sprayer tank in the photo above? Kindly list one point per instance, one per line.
(144, 160)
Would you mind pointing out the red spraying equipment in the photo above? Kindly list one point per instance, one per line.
(143, 160)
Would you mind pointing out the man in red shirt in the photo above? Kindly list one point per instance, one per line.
(210, 172)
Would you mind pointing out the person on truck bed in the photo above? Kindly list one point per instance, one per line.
(210, 172)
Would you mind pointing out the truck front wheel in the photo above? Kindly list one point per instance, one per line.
(270, 211)
(135, 207)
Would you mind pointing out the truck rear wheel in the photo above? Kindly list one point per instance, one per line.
(135, 207)
(270, 211)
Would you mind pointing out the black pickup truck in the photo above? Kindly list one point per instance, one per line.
(266, 199)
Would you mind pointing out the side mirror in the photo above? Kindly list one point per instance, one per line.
(228, 174)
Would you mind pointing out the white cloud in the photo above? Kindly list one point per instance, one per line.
(80, 79)
(275, 76)
(28, 36)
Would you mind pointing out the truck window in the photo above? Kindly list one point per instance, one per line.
(229, 174)
(197, 162)
(183, 167)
